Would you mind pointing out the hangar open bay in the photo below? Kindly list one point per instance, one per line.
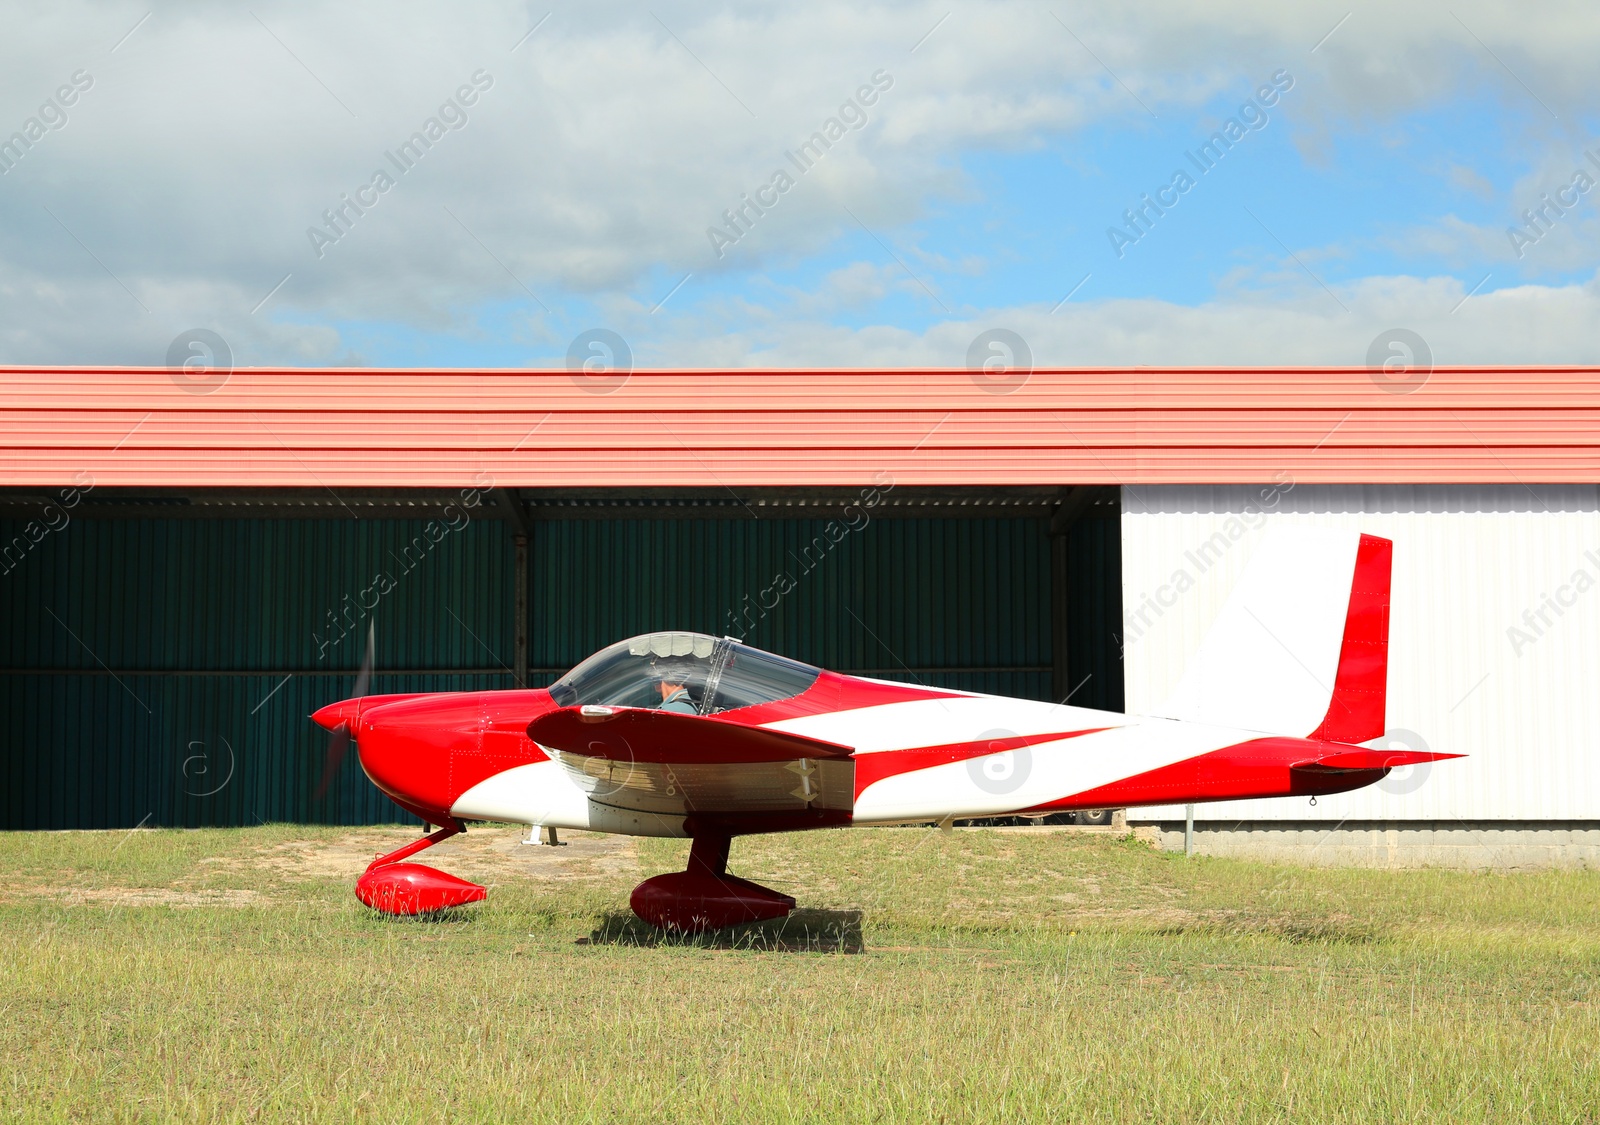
(166, 647)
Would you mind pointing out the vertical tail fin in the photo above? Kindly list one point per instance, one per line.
(1301, 647)
(1356, 712)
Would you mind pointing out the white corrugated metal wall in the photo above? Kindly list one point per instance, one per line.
(1480, 661)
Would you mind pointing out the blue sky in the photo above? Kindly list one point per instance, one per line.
(1029, 227)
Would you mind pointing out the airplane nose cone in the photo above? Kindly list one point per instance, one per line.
(335, 715)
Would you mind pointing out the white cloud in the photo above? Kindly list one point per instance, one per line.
(1302, 327)
(1560, 223)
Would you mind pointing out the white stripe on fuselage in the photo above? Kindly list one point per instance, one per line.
(545, 793)
(1009, 781)
(1036, 775)
(917, 723)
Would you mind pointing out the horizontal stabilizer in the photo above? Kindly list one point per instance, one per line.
(632, 734)
(1261, 767)
(1356, 758)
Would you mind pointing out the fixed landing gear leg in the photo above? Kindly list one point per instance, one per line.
(392, 887)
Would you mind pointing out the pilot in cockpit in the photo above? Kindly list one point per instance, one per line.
(672, 680)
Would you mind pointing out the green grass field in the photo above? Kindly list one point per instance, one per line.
(976, 975)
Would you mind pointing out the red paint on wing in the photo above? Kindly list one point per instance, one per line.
(891, 763)
(1360, 688)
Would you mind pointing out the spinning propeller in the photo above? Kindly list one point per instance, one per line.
(339, 743)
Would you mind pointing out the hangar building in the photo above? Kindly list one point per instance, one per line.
(188, 569)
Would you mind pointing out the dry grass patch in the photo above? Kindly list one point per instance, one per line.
(978, 975)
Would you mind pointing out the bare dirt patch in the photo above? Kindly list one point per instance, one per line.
(482, 853)
(493, 855)
(149, 896)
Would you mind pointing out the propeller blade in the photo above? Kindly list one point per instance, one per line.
(339, 742)
(338, 747)
(364, 677)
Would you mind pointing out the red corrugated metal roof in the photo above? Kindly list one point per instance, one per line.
(409, 427)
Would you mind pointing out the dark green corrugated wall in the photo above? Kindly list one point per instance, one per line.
(1094, 613)
(959, 603)
(162, 671)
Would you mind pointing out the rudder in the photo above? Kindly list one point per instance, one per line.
(1357, 710)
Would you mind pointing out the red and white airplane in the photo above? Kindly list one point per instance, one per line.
(685, 735)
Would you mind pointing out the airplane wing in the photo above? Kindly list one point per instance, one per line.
(668, 764)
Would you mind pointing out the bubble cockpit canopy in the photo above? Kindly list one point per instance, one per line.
(720, 675)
